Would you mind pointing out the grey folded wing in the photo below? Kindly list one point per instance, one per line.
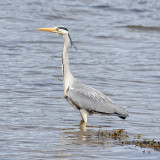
(93, 101)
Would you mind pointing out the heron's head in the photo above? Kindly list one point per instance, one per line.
(60, 30)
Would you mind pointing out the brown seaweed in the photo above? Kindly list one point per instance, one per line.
(122, 136)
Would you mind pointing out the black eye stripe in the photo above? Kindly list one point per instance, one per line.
(63, 28)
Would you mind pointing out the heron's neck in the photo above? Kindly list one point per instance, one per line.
(68, 77)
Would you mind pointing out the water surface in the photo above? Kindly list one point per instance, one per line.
(118, 54)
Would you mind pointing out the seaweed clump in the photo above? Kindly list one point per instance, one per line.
(144, 144)
(116, 134)
(122, 136)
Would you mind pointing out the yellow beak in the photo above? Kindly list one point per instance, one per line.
(54, 30)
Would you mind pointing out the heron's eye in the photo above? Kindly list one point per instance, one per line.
(57, 29)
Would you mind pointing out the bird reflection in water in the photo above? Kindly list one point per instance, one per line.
(85, 134)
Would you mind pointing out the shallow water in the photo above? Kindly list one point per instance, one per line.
(118, 54)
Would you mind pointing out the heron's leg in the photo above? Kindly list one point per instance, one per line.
(83, 115)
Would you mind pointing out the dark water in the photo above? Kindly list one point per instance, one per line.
(118, 53)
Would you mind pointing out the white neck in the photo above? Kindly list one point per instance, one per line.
(67, 75)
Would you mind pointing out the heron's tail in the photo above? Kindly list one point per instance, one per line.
(121, 112)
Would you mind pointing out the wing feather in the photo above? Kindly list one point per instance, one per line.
(90, 99)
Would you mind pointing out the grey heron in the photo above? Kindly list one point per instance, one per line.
(84, 98)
